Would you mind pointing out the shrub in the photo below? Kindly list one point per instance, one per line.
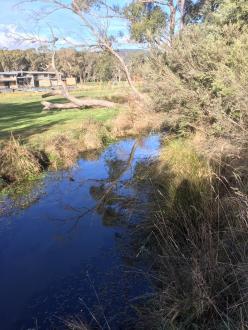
(203, 77)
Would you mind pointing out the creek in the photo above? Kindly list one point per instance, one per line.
(64, 243)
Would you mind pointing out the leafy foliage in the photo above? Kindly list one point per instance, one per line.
(82, 5)
(203, 77)
(198, 11)
(148, 21)
(232, 12)
(84, 66)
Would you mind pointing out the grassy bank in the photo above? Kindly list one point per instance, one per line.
(196, 235)
(32, 140)
(196, 232)
(21, 112)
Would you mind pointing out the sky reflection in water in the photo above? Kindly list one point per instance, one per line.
(63, 254)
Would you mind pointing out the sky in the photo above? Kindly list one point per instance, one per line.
(22, 23)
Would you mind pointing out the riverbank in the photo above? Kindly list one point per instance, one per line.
(195, 236)
(33, 140)
(64, 243)
(193, 231)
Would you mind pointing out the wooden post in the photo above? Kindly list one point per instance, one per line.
(32, 80)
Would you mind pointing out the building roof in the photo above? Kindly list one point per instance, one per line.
(28, 72)
(7, 80)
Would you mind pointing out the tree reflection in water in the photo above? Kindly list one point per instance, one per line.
(68, 232)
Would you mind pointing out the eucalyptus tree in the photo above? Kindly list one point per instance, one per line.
(13, 60)
(95, 17)
(155, 20)
(39, 59)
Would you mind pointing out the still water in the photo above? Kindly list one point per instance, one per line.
(64, 245)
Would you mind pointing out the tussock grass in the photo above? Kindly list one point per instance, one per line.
(17, 162)
(136, 120)
(183, 160)
(62, 151)
(197, 234)
(93, 135)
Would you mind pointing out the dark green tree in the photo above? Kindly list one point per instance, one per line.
(148, 21)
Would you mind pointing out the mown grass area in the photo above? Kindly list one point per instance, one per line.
(32, 140)
(21, 112)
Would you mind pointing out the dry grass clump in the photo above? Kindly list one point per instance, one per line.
(91, 135)
(61, 151)
(198, 237)
(136, 120)
(180, 156)
(121, 99)
(17, 162)
(215, 147)
(75, 324)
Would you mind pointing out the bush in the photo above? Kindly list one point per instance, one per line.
(203, 77)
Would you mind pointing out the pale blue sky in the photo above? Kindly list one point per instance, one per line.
(18, 21)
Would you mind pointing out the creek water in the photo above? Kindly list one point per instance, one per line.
(64, 244)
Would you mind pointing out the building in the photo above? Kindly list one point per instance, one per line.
(29, 79)
(71, 81)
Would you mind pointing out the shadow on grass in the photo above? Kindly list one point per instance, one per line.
(23, 116)
(26, 119)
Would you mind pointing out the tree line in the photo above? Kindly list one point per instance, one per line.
(85, 66)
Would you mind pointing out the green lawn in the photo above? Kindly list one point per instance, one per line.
(21, 112)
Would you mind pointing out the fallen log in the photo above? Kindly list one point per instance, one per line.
(52, 93)
(84, 103)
